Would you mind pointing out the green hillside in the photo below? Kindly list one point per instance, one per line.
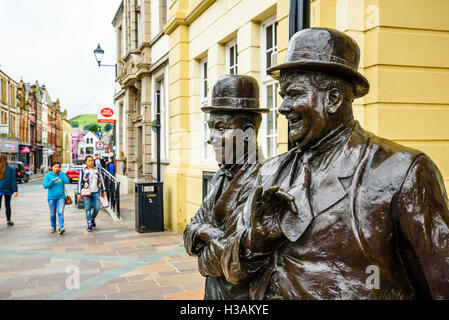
(84, 120)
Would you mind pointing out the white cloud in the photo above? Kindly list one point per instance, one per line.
(52, 41)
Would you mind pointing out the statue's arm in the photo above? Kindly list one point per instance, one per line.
(192, 242)
(423, 223)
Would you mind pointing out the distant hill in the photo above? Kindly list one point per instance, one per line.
(84, 120)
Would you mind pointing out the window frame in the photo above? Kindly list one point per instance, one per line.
(204, 93)
(229, 68)
(266, 82)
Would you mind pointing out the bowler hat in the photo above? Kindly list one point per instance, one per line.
(236, 93)
(326, 50)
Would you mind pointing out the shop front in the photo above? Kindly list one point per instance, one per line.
(10, 147)
(24, 154)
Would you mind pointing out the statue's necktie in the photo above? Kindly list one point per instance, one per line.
(294, 225)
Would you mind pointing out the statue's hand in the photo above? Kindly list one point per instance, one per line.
(208, 232)
(267, 207)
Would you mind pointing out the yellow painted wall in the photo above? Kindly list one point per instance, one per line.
(404, 54)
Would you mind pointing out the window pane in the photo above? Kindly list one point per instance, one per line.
(270, 149)
(270, 96)
(236, 55)
(270, 124)
(269, 37)
(231, 56)
(275, 34)
(268, 59)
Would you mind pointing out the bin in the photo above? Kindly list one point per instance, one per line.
(149, 207)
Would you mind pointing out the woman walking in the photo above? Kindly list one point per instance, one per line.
(90, 184)
(54, 181)
(8, 187)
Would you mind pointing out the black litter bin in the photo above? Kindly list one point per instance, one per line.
(149, 207)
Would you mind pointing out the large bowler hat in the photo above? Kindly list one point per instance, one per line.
(234, 92)
(326, 50)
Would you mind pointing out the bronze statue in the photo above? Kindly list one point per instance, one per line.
(235, 117)
(345, 214)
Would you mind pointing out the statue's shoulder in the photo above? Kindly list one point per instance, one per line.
(387, 154)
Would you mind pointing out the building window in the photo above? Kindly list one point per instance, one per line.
(231, 57)
(270, 47)
(271, 118)
(204, 101)
(138, 29)
(269, 87)
(163, 5)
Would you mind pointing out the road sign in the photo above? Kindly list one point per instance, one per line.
(100, 134)
(99, 145)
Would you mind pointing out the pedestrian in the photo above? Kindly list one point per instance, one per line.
(8, 187)
(111, 168)
(90, 184)
(54, 181)
(99, 163)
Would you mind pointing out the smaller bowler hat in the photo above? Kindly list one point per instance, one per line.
(236, 93)
(325, 50)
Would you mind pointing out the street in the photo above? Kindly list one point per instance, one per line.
(112, 263)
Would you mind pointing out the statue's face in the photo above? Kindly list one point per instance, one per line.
(227, 137)
(304, 106)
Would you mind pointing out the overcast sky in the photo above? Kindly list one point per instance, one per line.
(52, 41)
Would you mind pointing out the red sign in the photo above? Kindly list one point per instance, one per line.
(25, 149)
(99, 145)
(107, 121)
(107, 112)
(106, 115)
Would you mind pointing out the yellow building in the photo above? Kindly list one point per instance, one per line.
(66, 139)
(404, 55)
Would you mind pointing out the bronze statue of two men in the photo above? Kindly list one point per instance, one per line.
(343, 215)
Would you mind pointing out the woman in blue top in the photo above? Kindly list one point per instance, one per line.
(8, 186)
(91, 180)
(54, 181)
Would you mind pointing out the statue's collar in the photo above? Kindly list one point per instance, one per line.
(331, 140)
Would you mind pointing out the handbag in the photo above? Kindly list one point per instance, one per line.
(86, 191)
(68, 199)
(104, 202)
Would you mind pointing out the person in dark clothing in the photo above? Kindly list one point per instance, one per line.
(111, 168)
(8, 187)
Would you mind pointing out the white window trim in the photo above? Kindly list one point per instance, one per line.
(266, 80)
(228, 56)
(203, 103)
(161, 78)
(263, 44)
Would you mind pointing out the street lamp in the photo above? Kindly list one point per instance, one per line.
(99, 53)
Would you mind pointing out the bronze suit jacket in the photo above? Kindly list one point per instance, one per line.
(376, 205)
(220, 214)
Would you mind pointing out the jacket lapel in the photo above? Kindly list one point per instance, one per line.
(333, 180)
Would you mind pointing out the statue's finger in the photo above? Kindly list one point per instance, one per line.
(269, 193)
(285, 196)
(257, 200)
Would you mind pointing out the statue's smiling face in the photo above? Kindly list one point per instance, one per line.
(306, 108)
(229, 133)
(303, 106)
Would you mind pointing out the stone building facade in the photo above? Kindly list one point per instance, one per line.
(142, 79)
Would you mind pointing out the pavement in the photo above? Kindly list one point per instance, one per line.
(112, 263)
